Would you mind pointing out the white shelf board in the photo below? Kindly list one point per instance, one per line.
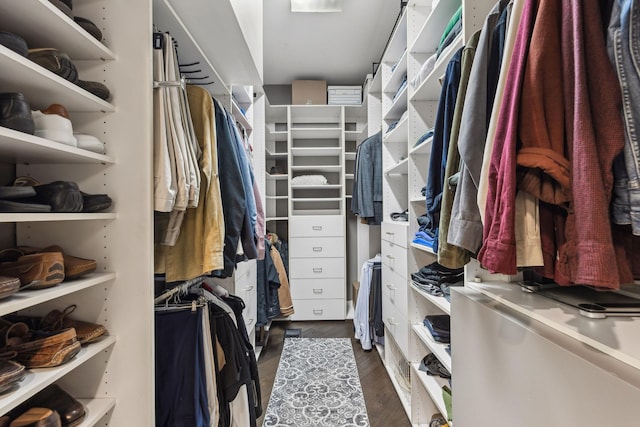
(399, 134)
(358, 132)
(349, 176)
(258, 351)
(316, 133)
(423, 149)
(243, 94)
(429, 35)
(96, 409)
(25, 299)
(19, 147)
(422, 248)
(166, 18)
(615, 336)
(348, 196)
(280, 177)
(316, 199)
(239, 116)
(273, 135)
(405, 397)
(277, 218)
(433, 385)
(304, 212)
(398, 105)
(50, 217)
(319, 168)
(316, 187)
(350, 310)
(349, 156)
(440, 302)
(397, 41)
(436, 348)
(42, 87)
(271, 155)
(276, 197)
(420, 199)
(37, 379)
(316, 151)
(376, 82)
(429, 89)
(397, 75)
(400, 168)
(36, 20)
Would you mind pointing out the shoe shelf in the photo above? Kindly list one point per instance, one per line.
(37, 20)
(396, 76)
(436, 348)
(398, 105)
(37, 379)
(96, 409)
(43, 88)
(50, 217)
(25, 299)
(440, 302)
(429, 89)
(400, 168)
(433, 385)
(423, 149)
(20, 147)
(399, 134)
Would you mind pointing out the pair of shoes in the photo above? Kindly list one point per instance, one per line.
(38, 349)
(16, 199)
(74, 267)
(11, 373)
(71, 412)
(54, 123)
(15, 112)
(66, 7)
(65, 196)
(57, 321)
(34, 417)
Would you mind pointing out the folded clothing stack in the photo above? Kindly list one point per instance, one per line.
(435, 279)
(439, 325)
(432, 366)
(309, 180)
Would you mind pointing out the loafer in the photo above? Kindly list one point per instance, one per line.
(37, 417)
(89, 143)
(54, 397)
(15, 112)
(37, 271)
(11, 373)
(14, 42)
(95, 202)
(40, 349)
(10, 206)
(96, 88)
(8, 286)
(55, 61)
(12, 192)
(74, 266)
(62, 196)
(86, 332)
(64, 6)
(89, 27)
(54, 127)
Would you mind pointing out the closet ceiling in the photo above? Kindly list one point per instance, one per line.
(337, 47)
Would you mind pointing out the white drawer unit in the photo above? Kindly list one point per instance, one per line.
(397, 325)
(320, 268)
(394, 257)
(316, 226)
(395, 233)
(317, 288)
(394, 287)
(316, 247)
(319, 309)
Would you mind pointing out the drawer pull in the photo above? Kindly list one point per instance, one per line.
(391, 287)
(250, 322)
(317, 311)
(316, 227)
(391, 257)
(390, 233)
(317, 249)
(317, 270)
(249, 289)
(317, 290)
(391, 322)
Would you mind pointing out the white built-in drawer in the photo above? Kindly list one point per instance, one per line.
(317, 288)
(394, 257)
(394, 287)
(395, 233)
(318, 268)
(316, 247)
(397, 325)
(321, 309)
(316, 226)
(243, 268)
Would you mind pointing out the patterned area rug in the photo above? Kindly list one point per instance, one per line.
(317, 385)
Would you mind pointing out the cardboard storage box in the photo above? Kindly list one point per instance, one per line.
(309, 92)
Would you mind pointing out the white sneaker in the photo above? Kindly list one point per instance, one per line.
(54, 127)
(89, 142)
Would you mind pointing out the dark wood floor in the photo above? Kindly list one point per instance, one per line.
(383, 405)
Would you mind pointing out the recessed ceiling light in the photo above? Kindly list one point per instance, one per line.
(316, 5)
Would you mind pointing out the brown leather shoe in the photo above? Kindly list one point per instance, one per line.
(71, 411)
(37, 417)
(11, 373)
(58, 109)
(40, 349)
(8, 286)
(38, 271)
(87, 332)
(74, 267)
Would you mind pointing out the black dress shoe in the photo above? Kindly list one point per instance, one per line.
(15, 112)
(62, 196)
(89, 27)
(95, 202)
(55, 61)
(96, 88)
(14, 42)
